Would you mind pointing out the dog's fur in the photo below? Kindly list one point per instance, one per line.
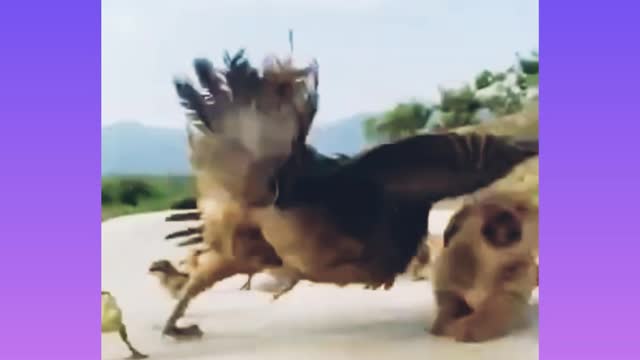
(340, 221)
(488, 268)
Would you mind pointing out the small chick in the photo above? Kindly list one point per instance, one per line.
(112, 322)
(172, 280)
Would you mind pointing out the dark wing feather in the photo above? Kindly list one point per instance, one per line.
(437, 166)
(421, 168)
(188, 216)
(191, 241)
(186, 232)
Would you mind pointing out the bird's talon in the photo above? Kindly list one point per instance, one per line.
(188, 332)
(137, 356)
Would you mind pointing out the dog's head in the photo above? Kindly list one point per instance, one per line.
(491, 245)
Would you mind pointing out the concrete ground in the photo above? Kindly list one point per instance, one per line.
(312, 322)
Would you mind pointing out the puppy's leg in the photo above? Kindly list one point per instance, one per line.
(450, 307)
(499, 314)
(212, 268)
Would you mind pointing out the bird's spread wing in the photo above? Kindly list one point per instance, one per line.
(437, 166)
(245, 123)
(423, 168)
(257, 110)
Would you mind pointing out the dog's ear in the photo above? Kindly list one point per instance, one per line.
(433, 167)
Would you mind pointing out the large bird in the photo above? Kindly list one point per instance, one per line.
(268, 200)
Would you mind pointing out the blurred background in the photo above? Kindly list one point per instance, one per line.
(388, 69)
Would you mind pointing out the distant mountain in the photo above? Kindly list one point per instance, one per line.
(130, 148)
(345, 136)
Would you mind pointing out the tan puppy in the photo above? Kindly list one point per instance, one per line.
(487, 270)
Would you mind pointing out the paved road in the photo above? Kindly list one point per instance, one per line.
(312, 322)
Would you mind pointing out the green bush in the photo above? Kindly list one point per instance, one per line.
(529, 66)
(131, 191)
(106, 198)
(484, 79)
(185, 204)
(109, 193)
(124, 195)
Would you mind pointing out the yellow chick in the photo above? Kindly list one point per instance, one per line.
(112, 322)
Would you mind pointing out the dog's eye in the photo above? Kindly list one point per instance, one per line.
(514, 235)
(502, 229)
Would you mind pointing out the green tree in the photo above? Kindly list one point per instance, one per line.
(404, 120)
(133, 190)
(493, 92)
(458, 107)
(484, 79)
(529, 64)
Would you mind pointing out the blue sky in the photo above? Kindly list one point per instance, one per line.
(372, 53)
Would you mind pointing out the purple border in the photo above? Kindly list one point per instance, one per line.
(50, 109)
(590, 163)
(50, 175)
